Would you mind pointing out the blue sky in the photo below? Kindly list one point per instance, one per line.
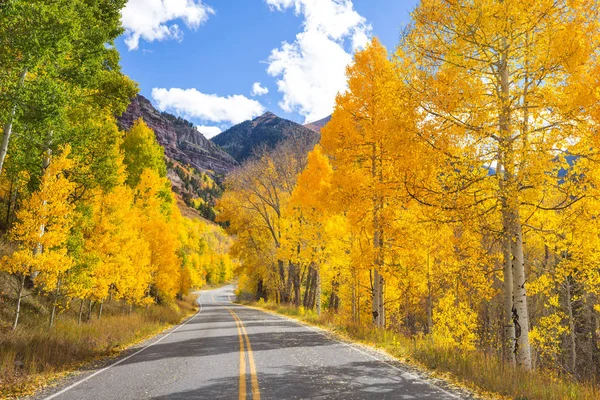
(200, 59)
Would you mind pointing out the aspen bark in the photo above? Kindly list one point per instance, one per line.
(318, 291)
(509, 327)
(54, 300)
(9, 125)
(80, 312)
(571, 326)
(19, 297)
(511, 217)
(354, 289)
(375, 296)
(429, 297)
(520, 312)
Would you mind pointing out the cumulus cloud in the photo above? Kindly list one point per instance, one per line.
(209, 131)
(152, 20)
(258, 90)
(191, 103)
(311, 70)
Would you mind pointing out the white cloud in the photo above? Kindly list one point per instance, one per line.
(311, 70)
(151, 20)
(208, 107)
(209, 131)
(258, 90)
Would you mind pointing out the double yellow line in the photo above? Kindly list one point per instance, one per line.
(243, 335)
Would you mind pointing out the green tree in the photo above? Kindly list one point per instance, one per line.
(142, 151)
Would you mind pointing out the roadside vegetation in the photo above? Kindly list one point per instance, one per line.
(94, 252)
(33, 355)
(487, 376)
(452, 202)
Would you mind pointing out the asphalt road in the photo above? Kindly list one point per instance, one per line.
(228, 351)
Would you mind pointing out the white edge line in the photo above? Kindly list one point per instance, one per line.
(124, 359)
(355, 346)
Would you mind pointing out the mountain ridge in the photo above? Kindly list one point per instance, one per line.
(180, 139)
(318, 125)
(243, 140)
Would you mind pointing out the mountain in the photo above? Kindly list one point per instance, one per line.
(242, 140)
(181, 140)
(318, 125)
(194, 163)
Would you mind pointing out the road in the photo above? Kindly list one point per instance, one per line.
(228, 351)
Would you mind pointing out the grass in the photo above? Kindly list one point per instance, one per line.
(484, 374)
(33, 355)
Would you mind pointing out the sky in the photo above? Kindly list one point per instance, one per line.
(220, 62)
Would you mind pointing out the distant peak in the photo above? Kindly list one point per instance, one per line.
(266, 117)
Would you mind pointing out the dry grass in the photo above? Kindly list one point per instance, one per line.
(475, 370)
(33, 353)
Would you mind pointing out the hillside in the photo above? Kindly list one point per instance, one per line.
(243, 140)
(318, 125)
(181, 140)
(195, 165)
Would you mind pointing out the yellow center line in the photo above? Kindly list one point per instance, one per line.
(243, 334)
(242, 395)
(253, 374)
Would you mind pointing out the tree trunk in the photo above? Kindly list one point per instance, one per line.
(100, 310)
(354, 296)
(318, 291)
(312, 298)
(307, 286)
(19, 297)
(89, 314)
(511, 216)
(381, 302)
(520, 312)
(294, 271)
(9, 125)
(80, 312)
(285, 284)
(429, 297)
(509, 327)
(54, 300)
(334, 300)
(572, 336)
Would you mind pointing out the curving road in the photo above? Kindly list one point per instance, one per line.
(228, 351)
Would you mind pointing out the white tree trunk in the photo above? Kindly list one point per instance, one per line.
(9, 124)
(19, 297)
(520, 313)
(375, 298)
(381, 303)
(509, 326)
(318, 294)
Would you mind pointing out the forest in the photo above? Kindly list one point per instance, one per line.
(453, 199)
(88, 217)
(453, 196)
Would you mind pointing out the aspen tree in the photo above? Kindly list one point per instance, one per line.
(43, 251)
(498, 78)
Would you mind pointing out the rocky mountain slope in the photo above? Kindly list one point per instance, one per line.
(318, 125)
(182, 142)
(242, 140)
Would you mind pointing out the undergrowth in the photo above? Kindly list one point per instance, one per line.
(34, 353)
(476, 370)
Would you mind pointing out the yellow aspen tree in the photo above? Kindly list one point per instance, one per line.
(306, 214)
(254, 205)
(41, 231)
(366, 140)
(159, 229)
(499, 81)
